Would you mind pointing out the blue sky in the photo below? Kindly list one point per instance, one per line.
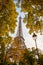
(28, 38)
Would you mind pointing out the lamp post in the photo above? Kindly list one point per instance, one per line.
(35, 37)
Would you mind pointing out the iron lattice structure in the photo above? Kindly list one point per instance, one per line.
(20, 33)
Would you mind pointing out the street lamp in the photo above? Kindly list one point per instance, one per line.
(35, 37)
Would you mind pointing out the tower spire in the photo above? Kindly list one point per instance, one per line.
(19, 31)
(20, 34)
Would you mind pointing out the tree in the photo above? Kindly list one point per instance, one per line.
(33, 18)
(8, 17)
(2, 50)
(21, 63)
(28, 58)
(8, 20)
(41, 59)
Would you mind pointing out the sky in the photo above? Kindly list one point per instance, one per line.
(29, 42)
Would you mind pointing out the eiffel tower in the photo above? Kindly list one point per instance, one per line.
(19, 41)
(17, 48)
(20, 34)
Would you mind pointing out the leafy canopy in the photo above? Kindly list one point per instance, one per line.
(34, 16)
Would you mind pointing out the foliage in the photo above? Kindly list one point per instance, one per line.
(8, 21)
(2, 50)
(8, 16)
(33, 18)
(41, 59)
(14, 63)
(28, 58)
(21, 63)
